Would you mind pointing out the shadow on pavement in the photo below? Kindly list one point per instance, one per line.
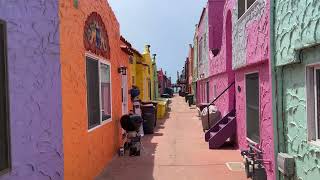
(136, 168)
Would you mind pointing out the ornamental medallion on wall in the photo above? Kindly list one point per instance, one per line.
(95, 36)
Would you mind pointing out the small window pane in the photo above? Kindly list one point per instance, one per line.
(93, 102)
(250, 2)
(318, 99)
(241, 7)
(105, 91)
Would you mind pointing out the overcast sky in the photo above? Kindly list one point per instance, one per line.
(167, 25)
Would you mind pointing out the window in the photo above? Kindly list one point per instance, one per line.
(252, 107)
(313, 102)
(243, 6)
(317, 100)
(4, 108)
(200, 51)
(215, 91)
(98, 92)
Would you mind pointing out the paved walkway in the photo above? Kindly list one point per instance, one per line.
(177, 151)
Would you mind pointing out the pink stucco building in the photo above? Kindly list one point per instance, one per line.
(238, 51)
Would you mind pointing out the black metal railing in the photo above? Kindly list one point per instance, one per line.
(215, 99)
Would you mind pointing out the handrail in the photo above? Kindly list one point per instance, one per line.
(215, 99)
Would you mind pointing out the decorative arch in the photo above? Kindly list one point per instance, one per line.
(95, 36)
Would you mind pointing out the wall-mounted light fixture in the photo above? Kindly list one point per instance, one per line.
(122, 70)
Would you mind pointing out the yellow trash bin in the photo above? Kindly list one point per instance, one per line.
(161, 111)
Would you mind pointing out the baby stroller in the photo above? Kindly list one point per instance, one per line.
(131, 124)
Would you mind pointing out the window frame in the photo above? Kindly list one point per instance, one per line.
(311, 94)
(105, 62)
(316, 68)
(251, 141)
(6, 98)
(246, 8)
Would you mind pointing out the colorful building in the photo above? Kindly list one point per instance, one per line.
(155, 78)
(91, 101)
(164, 81)
(251, 62)
(195, 67)
(203, 57)
(64, 79)
(190, 69)
(239, 54)
(137, 57)
(31, 133)
(296, 87)
(144, 75)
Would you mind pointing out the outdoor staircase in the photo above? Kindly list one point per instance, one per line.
(224, 129)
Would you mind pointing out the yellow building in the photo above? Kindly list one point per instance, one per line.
(137, 57)
(142, 73)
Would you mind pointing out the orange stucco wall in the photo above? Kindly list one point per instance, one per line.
(86, 153)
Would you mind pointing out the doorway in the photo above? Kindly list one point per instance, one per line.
(124, 92)
(252, 107)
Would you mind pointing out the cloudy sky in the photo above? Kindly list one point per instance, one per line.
(167, 25)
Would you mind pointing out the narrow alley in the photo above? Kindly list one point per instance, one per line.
(177, 150)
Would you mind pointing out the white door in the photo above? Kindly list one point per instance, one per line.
(124, 89)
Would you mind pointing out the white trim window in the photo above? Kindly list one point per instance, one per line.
(243, 6)
(99, 99)
(317, 100)
(313, 103)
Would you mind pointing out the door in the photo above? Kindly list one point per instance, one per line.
(252, 107)
(124, 90)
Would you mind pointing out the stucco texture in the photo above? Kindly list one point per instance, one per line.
(251, 53)
(86, 152)
(245, 49)
(203, 44)
(34, 90)
(220, 65)
(297, 24)
(294, 113)
(265, 113)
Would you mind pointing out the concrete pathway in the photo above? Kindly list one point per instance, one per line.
(177, 151)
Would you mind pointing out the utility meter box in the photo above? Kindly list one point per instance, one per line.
(286, 164)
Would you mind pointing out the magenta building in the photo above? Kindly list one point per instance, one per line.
(239, 58)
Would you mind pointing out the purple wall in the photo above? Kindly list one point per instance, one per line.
(35, 89)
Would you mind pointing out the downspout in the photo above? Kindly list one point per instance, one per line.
(277, 94)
